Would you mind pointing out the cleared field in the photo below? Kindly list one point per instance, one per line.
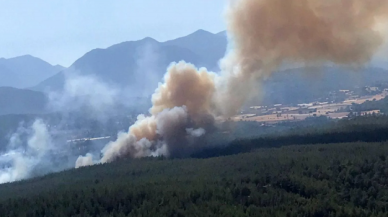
(370, 98)
(338, 115)
(329, 110)
(273, 118)
(321, 110)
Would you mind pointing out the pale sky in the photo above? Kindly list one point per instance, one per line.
(61, 31)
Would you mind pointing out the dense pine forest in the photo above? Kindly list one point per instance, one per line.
(343, 179)
(318, 167)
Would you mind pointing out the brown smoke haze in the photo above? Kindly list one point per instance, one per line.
(185, 86)
(264, 34)
(181, 113)
(268, 33)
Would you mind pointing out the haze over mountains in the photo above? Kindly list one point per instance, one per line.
(25, 71)
(21, 101)
(138, 66)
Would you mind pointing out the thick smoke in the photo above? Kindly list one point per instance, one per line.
(36, 150)
(268, 33)
(181, 112)
(25, 156)
(264, 34)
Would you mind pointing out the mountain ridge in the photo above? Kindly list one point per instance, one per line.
(127, 63)
(21, 101)
(25, 71)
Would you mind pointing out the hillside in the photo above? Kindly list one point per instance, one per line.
(140, 65)
(210, 47)
(19, 101)
(25, 71)
(53, 83)
(303, 85)
(321, 180)
(317, 167)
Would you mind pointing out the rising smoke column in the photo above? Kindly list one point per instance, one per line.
(264, 34)
(268, 33)
(181, 112)
(24, 160)
(87, 160)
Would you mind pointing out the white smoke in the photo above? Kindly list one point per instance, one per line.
(40, 139)
(147, 62)
(87, 160)
(83, 93)
(25, 155)
(196, 132)
(31, 150)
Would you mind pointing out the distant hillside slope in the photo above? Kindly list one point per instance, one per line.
(301, 85)
(25, 71)
(18, 101)
(141, 64)
(211, 47)
(53, 83)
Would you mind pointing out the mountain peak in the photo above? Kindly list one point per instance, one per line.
(59, 66)
(125, 63)
(222, 33)
(26, 56)
(198, 35)
(149, 40)
(25, 71)
(201, 32)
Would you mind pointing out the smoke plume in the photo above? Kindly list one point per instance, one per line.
(147, 61)
(87, 160)
(268, 33)
(23, 159)
(31, 150)
(83, 93)
(264, 34)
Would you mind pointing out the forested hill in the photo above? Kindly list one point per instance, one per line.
(283, 173)
(320, 130)
(321, 180)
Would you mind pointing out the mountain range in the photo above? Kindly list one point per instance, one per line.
(138, 66)
(21, 101)
(25, 71)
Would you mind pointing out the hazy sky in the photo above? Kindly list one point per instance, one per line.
(61, 31)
